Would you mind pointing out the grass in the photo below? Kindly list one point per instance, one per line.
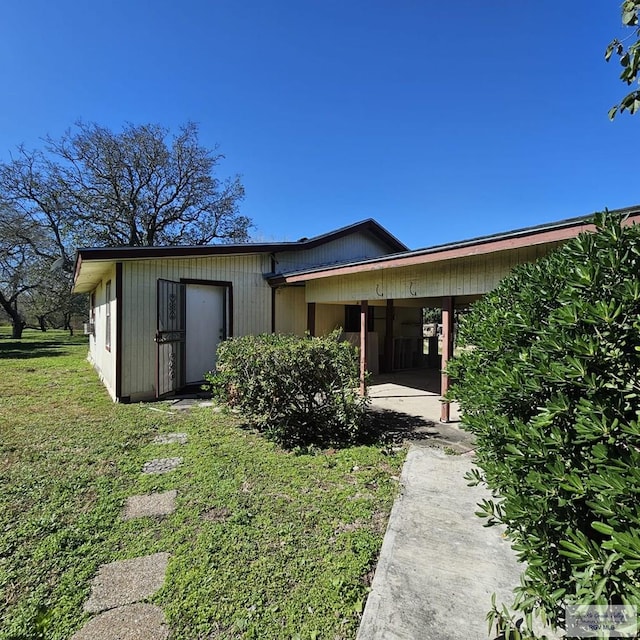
(264, 543)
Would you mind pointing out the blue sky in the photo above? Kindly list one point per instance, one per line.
(441, 120)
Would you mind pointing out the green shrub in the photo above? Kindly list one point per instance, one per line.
(298, 390)
(549, 385)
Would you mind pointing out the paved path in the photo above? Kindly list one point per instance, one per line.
(119, 588)
(438, 565)
(151, 504)
(126, 582)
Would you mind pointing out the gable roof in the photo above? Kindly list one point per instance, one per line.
(529, 236)
(85, 277)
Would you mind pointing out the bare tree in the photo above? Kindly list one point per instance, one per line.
(96, 187)
(134, 189)
(18, 272)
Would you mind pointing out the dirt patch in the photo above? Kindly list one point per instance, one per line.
(219, 514)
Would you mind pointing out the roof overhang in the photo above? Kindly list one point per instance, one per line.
(532, 236)
(88, 277)
(93, 263)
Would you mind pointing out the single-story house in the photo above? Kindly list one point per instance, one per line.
(158, 313)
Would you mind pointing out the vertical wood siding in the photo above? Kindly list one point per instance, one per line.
(355, 246)
(104, 361)
(472, 275)
(328, 318)
(251, 307)
(291, 310)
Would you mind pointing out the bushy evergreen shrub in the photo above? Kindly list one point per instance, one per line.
(550, 384)
(298, 390)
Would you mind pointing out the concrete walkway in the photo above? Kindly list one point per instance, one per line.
(438, 565)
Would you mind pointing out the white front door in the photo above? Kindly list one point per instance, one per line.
(205, 328)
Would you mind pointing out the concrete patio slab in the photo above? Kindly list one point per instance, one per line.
(415, 401)
(161, 465)
(171, 438)
(126, 581)
(438, 565)
(152, 504)
(131, 622)
(417, 411)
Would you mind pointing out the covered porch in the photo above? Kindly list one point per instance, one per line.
(397, 347)
(379, 301)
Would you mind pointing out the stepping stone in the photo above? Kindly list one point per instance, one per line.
(152, 504)
(185, 404)
(126, 581)
(132, 622)
(171, 438)
(161, 465)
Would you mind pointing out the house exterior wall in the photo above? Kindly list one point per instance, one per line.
(472, 275)
(355, 246)
(250, 315)
(328, 318)
(102, 343)
(290, 310)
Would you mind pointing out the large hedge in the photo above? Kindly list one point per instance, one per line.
(298, 390)
(549, 384)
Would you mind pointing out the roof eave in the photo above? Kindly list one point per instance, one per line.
(532, 236)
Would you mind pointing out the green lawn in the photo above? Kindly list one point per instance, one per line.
(264, 543)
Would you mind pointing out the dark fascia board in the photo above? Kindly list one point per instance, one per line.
(528, 231)
(532, 232)
(129, 253)
(124, 253)
(369, 225)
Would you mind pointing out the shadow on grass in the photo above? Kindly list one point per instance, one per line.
(384, 426)
(15, 349)
(381, 427)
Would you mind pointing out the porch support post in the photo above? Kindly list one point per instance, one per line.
(447, 352)
(388, 338)
(311, 318)
(364, 315)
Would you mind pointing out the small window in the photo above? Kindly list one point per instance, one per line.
(91, 329)
(107, 332)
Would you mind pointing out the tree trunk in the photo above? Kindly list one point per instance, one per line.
(67, 324)
(17, 325)
(17, 322)
(42, 323)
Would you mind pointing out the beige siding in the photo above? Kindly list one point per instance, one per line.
(471, 275)
(251, 307)
(291, 310)
(355, 246)
(103, 359)
(328, 318)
